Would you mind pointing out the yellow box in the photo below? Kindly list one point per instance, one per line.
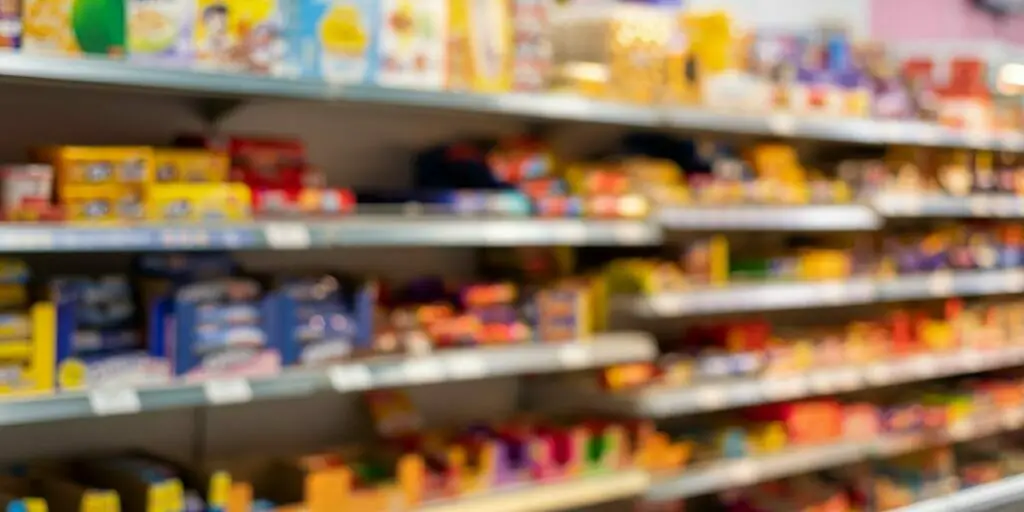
(93, 165)
(102, 202)
(35, 357)
(482, 52)
(174, 202)
(190, 166)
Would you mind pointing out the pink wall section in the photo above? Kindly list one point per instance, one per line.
(914, 20)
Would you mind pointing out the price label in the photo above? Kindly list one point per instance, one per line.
(834, 294)
(879, 374)
(893, 133)
(823, 383)
(109, 401)
(973, 360)
(847, 379)
(924, 367)
(962, 430)
(782, 124)
(350, 377)
(743, 473)
(227, 391)
(467, 367)
(1013, 419)
(574, 233)
(502, 234)
(1014, 281)
(782, 389)
(633, 234)
(575, 356)
(287, 235)
(711, 397)
(423, 371)
(979, 206)
(940, 284)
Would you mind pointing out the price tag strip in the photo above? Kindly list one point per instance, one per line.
(109, 401)
(350, 377)
(227, 391)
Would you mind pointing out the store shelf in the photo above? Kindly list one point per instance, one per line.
(556, 496)
(865, 131)
(983, 498)
(346, 232)
(851, 217)
(798, 295)
(729, 394)
(726, 475)
(941, 206)
(603, 350)
(112, 73)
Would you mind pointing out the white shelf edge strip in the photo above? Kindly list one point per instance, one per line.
(555, 496)
(720, 476)
(976, 499)
(741, 297)
(673, 401)
(447, 366)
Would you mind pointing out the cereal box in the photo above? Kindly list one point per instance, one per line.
(413, 46)
(10, 23)
(338, 40)
(160, 31)
(243, 35)
(72, 27)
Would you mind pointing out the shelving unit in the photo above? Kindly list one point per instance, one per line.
(489, 379)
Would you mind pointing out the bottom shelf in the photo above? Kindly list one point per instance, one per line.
(983, 498)
(552, 497)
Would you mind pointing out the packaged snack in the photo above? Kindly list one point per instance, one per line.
(322, 320)
(10, 24)
(27, 344)
(99, 335)
(97, 165)
(197, 202)
(339, 39)
(243, 35)
(190, 165)
(413, 47)
(27, 192)
(481, 49)
(160, 31)
(73, 27)
(219, 328)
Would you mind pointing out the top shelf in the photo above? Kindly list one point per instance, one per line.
(103, 72)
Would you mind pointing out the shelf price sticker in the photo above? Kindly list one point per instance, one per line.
(743, 473)
(466, 366)
(574, 355)
(1014, 281)
(979, 206)
(973, 360)
(879, 374)
(711, 398)
(423, 371)
(782, 124)
(106, 401)
(782, 389)
(350, 377)
(287, 235)
(228, 391)
(940, 284)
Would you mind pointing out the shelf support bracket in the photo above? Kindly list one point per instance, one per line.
(213, 110)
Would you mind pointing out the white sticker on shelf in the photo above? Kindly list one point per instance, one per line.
(979, 206)
(287, 235)
(940, 284)
(573, 233)
(782, 124)
(847, 379)
(632, 234)
(350, 377)
(467, 366)
(1014, 281)
(879, 374)
(227, 391)
(743, 473)
(823, 382)
(785, 388)
(963, 430)
(924, 366)
(972, 360)
(711, 397)
(1013, 419)
(575, 355)
(107, 401)
(501, 234)
(422, 371)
